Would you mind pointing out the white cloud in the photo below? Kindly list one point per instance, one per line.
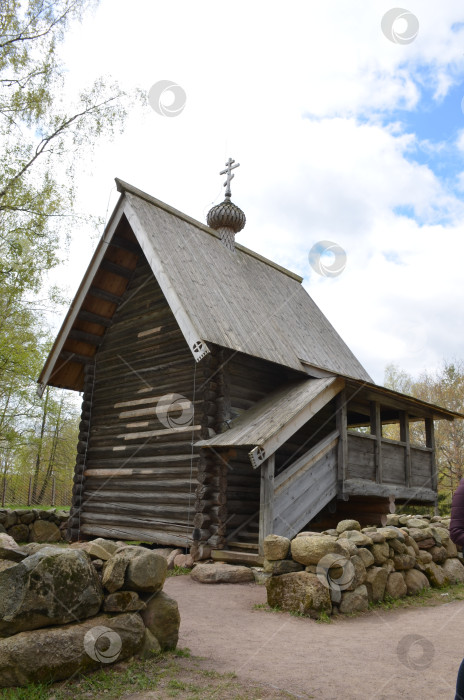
(294, 93)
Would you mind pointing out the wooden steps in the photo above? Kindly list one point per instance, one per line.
(237, 556)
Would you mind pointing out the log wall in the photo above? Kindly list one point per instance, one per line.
(141, 473)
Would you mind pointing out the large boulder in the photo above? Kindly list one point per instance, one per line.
(376, 580)
(97, 549)
(19, 532)
(454, 570)
(344, 525)
(44, 656)
(310, 550)
(9, 549)
(123, 601)
(276, 547)
(380, 552)
(161, 617)
(299, 592)
(281, 566)
(135, 569)
(396, 586)
(53, 587)
(354, 601)
(435, 575)
(44, 531)
(416, 581)
(222, 573)
(360, 539)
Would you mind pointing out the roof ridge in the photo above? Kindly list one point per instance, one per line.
(123, 187)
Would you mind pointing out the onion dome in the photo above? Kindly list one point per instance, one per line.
(227, 218)
(226, 215)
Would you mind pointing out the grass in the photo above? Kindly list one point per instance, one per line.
(179, 571)
(175, 674)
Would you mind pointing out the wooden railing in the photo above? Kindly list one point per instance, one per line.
(400, 463)
(296, 495)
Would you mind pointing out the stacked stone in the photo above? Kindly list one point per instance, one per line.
(342, 570)
(67, 611)
(34, 525)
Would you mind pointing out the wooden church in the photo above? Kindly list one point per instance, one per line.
(219, 404)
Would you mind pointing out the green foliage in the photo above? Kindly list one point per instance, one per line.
(44, 129)
(445, 388)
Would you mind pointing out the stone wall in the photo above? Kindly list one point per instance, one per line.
(344, 569)
(34, 525)
(68, 610)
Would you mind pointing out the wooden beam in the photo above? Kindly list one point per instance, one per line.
(84, 315)
(376, 429)
(288, 429)
(341, 422)
(116, 269)
(125, 244)
(266, 502)
(364, 487)
(238, 557)
(84, 337)
(104, 294)
(430, 443)
(68, 356)
(404, 437)
(305, 461)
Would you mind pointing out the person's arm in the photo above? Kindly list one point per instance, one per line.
(457, 516)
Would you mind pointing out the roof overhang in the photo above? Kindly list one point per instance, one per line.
(274, 419)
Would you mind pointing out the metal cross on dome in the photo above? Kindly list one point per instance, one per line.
(228, 171)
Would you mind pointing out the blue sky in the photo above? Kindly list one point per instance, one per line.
(342, 134)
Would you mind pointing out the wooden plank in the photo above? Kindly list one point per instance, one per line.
(314, 489)
(376, 430)
(266, 501)
(341, 422)
(237, 557)
(79, 298)
(116, 269)
(295, 470)
(361, 487)
(83, 336)
(430, 443)
(405, 437)
(92, 317)
(296, 421)
(128, 532)
(101, 293)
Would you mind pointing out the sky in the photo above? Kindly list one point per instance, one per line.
(347, 120)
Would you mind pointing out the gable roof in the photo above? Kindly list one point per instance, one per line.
(235, 299)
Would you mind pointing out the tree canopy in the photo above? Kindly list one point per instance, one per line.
(43, 134)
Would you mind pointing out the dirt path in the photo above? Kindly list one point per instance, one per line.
(350, 659)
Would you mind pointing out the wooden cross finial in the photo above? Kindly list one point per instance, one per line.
(228, 171)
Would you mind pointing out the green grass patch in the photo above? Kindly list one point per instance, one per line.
(179, 571)
(175, 674)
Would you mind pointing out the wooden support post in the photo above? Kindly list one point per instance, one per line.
(404, 437)
(430, 442)
(266, 505)
(376, 429)
(342, 428)
(29, 494)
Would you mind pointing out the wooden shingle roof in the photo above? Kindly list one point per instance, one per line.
(235, 299)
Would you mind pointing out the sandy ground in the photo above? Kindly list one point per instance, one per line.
(407, 653)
